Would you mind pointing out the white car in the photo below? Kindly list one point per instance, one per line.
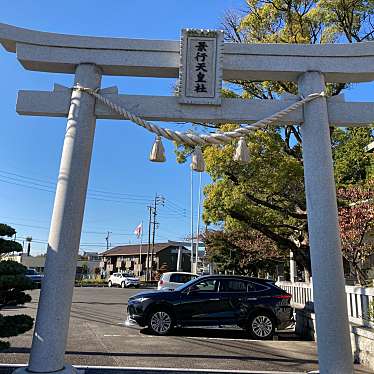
(170, 281)
(123, 280)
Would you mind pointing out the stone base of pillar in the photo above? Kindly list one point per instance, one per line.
(68, 369)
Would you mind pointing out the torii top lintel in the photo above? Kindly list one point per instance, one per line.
(51, 52)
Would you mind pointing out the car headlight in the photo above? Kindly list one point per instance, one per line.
(141, 299)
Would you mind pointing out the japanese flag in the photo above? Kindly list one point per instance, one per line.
(138, 230)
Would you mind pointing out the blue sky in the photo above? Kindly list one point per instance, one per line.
(30, 147)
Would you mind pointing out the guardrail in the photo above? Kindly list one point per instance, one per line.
(358, 300)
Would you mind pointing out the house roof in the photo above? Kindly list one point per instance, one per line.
(134, 249)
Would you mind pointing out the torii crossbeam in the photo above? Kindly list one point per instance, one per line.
(91, 57)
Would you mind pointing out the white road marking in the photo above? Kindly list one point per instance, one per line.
(236, 339)
(112, 335)
(164, 370)
(185, 370)
(195, 338)
(132, 336)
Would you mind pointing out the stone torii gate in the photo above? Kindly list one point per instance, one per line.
(91, 57)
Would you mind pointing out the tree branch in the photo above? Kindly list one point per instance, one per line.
(301, 252)
(282, 241)
(277, 208)
(266, 204)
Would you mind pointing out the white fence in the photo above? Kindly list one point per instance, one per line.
(358, 300)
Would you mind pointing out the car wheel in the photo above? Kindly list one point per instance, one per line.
(123, 285)
(160, 322)
(110, 284)
(261, 326)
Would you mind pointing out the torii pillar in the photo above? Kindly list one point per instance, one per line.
(324, 238)
(52, 324)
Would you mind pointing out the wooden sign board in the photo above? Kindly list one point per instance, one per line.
(200, 72)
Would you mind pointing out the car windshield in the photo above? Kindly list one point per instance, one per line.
(185, 285)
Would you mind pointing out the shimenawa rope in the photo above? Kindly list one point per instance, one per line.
(197, 140)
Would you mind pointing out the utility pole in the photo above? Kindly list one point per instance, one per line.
(107, 240)
(198, 226)
(29, 240)
(192, 241)
(149, 242)
(159, 200)
(154, 223)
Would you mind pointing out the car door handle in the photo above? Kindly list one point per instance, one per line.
(251, 298)
(215, 299)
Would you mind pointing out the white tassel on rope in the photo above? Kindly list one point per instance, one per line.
(241, 152)
(158, 151)
(198, 163)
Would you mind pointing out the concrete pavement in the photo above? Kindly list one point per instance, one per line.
(98, 337)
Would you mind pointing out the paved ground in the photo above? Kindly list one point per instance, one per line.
(98, 337)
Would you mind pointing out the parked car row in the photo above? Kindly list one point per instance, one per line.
(168, 281)
(254, 304)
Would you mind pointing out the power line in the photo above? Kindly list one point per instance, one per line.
(53, 184)
(177, 212)
(92, 244)
(83, 231)
(113, 233)
(177, 206)
(92, 194)
(173, 209)
(173, 215)
(28, 186)
(89, 196)
(107, 196)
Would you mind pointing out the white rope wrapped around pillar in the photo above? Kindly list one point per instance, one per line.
(194, 140)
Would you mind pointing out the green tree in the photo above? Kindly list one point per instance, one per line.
(97, 272)
(13, 283)
(85, 268)
(267, 195)
(351, 161)
(244, 252)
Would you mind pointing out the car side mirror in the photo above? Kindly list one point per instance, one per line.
(191, 291)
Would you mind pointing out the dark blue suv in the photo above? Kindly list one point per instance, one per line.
(256, 305)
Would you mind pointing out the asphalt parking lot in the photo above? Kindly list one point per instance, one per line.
(98, 337)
